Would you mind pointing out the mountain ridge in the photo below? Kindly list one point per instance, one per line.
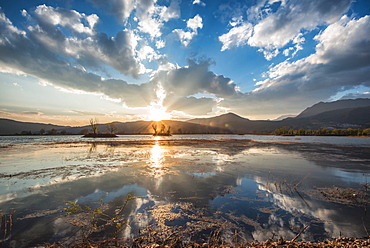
(322, 107)
(336, 117)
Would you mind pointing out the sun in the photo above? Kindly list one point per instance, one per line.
(158, 113)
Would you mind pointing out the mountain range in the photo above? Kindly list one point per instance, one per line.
(338, 114)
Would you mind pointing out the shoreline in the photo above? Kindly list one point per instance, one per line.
(176, 242)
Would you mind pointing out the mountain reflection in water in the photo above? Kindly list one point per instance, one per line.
(187, 188)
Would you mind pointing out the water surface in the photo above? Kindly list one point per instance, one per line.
(188, 187)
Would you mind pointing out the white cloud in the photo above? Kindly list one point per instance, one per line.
(235, 21)
(185, 37)
(274, 30)
(151, 26)
(152, 17)
(92, 50)
(51, 64)
(343, 39)
(192, 30)
(27, 53)
(149, 15)
(160, 44)
(170, 12)
(8, 29)
(66, 18)
(237, 36)
(148, 53)
(195, 23)
(269, 54)
(340, 63)
(199, 2)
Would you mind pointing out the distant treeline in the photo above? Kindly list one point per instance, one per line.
(43, 132)
(323, 132)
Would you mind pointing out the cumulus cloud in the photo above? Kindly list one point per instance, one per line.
(65, 59)
(92, 50)
(48, 16)
(195, 23)
(147, 52)
(121, 9)
(274, 30)
(45, 52)
(24, 52)
(339, 63)
(237, 36)
(192, 30)
(195, 78)
(152, 16)
(160, 44)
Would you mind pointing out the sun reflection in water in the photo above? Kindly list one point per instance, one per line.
(156, 160)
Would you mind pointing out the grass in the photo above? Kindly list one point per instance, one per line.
(92, 222)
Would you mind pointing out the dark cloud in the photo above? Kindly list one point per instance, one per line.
(195, 78)
(121, 9)
(18, 52)
(190, 105)
(340, 62)
(87, 47)
(31, 113)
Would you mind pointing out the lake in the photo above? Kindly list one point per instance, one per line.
(242, 187)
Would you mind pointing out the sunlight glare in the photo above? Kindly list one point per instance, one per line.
(156, 156)
(157, 112)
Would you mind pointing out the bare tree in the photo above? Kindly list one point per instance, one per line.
(111, 127)
(163, 127)
(94, 125)
(154, 126)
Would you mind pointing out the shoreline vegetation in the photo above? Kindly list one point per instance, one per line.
(100, 135)
(285, 131)
(176, 242)
(160, 129)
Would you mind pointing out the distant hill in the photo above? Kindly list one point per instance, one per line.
(322, 107)
(235, 123)
(339, 114)
(348, 116)
(280, 118)
(137, 127)
(145, 127)
(12, 127)
(230, 121)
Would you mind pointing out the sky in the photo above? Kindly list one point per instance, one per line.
(66, 61)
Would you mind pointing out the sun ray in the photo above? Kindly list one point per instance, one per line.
(158, 112)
